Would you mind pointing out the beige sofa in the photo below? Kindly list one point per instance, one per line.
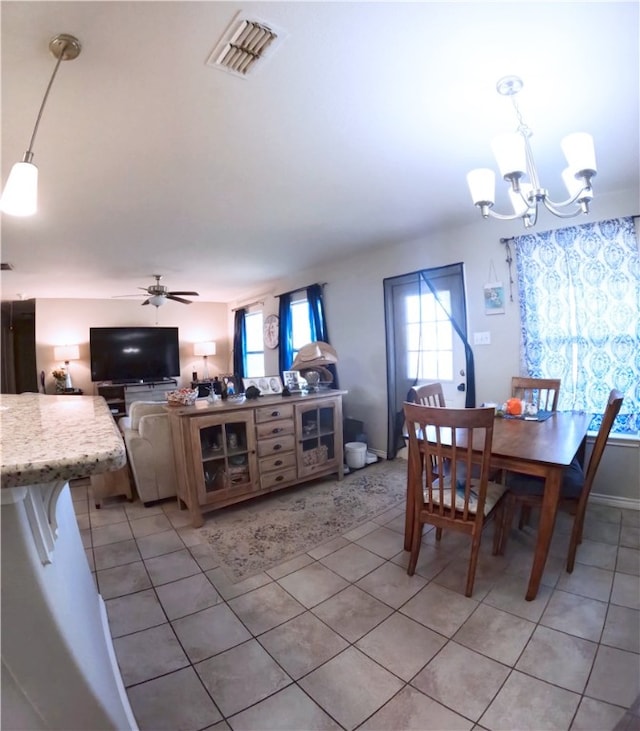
(147, 438)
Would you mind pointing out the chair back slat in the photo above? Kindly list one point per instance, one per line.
(612, 410)
(429, 394)
(543, 392)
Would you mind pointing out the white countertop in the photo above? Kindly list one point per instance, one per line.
(47, 438)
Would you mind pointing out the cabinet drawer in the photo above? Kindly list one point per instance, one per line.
(268, 413)
(267, 447)
(274, 428)
(277, 462)
(276, 478)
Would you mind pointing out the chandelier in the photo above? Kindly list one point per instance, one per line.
(517, 166)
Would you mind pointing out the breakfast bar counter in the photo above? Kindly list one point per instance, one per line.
(58, 665)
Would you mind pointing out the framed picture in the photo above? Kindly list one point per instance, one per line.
(494, 299)
(231, 382)
(267, 385)
(292, 380)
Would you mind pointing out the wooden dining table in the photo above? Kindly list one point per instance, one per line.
(539, 448)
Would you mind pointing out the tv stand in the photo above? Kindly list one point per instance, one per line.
(119, 396)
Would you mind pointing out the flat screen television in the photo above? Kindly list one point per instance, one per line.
(133, 354)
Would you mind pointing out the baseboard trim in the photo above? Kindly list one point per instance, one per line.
(626, 503)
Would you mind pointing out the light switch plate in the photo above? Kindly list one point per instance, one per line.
(483, 338)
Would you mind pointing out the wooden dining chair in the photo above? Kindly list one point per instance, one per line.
(459, 501)
(526, 490)
(542, 392)
(430, 394)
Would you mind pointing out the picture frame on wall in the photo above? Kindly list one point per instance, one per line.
(267, 385)
(494, 299)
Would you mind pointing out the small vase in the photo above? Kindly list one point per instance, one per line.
(60, 385)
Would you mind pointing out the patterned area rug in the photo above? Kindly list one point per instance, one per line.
(262, 533)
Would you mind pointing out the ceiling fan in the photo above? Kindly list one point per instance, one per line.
(157, 294)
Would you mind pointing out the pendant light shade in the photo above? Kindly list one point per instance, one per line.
(20, 195)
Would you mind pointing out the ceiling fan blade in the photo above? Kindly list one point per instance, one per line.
(192, 294)
(144, 289)
(146, 302)
(116, 296)
(170, 296)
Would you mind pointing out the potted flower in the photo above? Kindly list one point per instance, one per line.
(60, 378)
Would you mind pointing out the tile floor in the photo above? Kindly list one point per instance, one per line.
(342, 638)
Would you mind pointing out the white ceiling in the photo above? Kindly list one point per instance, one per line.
(357, 132)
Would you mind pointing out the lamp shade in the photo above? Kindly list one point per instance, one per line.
(66, 352)
(510, 155)
(157, 300)
(580, 153)
(204, 349)
(20, 195)
(482, 186)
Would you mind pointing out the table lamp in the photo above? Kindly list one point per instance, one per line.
(67, 353)
(205, 349)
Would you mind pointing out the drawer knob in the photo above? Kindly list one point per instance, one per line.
(275, 413)
(276, 447)
(277, 463)
(276, 430)
(279, 478)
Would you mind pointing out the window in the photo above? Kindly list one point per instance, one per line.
(579, 289)
(254, 348)
(429, 337)
(300, 325)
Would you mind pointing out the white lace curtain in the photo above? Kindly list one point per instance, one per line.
(579, 309)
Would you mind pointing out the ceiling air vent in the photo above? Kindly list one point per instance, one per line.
(245, 42)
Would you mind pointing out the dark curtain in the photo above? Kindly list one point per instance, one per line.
(319, 324)
(285, 340)
(239, 344)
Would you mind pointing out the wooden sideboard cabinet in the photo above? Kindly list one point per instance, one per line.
(231, 451)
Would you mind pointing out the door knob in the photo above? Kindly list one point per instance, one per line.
(461, 387)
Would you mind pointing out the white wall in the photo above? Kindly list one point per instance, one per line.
(67, 321)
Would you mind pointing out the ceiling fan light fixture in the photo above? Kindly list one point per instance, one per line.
(157, 300)
(20, 195)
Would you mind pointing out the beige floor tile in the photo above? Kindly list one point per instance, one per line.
(83, 522)
(401, 645)
(431, 560)
(187, 596)
(137, 509)
(242, 676)
(205, 557)
(302, 644)
(121, 580)
(313, 584)
(522, 561)
(150, 524)
(454, 577)
(558, 658)
(288, 567)
(113, 533)
(391, 584)
(575, 615)
(598, 530)
(329, 547)
(626, 590)
(351, 687)
(149, 654)
(352, 562)
(631, 517)
(174, 701)
(606, 513)
(360, 531)
(410, 710)
(595, 715)
(630, 536)
(116, 554)
(228, 589)
(496, 634)
(289, 709)
(352, 613)
(134, 612)
(391, 515)
(509, 592)
(462, 680)
(264, 608)
(615, 677)
(88, 552)
(450, 542)
(209, 632)
(628, 561)
(594, 553)
(383, 542)
(439, 609)
(107, 515)
(528, 704)
(171, 566)
(157, 544)
(588, 581)
(622, 628)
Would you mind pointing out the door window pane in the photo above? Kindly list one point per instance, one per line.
(429, 337)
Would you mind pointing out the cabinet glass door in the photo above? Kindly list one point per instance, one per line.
(316, 437)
